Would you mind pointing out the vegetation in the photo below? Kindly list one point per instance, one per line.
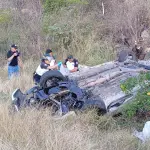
(36, 129)
(72, 26)
(90, 30)
(140, 107)
(51, 6)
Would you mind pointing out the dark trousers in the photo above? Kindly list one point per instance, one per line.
(36, 78)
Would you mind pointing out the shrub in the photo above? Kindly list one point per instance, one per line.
(55, 5)
(5, 17)
(140, 106)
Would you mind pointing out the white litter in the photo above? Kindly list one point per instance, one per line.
(145, 134)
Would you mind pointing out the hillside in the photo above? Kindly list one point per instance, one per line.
(93, 31)
(34, 129)
(91, 27)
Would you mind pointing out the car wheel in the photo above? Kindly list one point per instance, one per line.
(99, 105)
(51, 78)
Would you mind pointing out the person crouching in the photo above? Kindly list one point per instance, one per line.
(45, 65)
(71, 64)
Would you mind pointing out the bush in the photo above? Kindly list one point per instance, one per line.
(140, 106)
(55, 5)
(5, 17)
(142, 81)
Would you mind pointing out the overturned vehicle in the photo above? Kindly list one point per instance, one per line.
(91, 87)
(58, 93)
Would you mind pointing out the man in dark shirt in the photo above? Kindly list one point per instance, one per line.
(13, 61)
(71, 63)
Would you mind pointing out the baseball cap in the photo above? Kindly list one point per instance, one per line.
(48, 51)
(14, 46)
(70, 57)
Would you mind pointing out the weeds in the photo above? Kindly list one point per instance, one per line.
(37, 129)
(140, 106)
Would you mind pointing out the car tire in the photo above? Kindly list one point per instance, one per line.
(99, 105)
(51, 75)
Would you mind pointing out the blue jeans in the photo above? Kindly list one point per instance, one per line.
(13, 71)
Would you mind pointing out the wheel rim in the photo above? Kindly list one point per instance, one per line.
(52, 82)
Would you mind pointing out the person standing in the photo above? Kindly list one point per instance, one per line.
(14, 61)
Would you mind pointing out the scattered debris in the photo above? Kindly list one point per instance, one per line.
(145, 134)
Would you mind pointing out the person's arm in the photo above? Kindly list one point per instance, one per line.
(20, 62)
(45, 66)
(74, 70)
(11, 57)
(52, 67)
(55, 63)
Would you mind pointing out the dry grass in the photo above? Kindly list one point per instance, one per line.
(24, 81)
(37, 130)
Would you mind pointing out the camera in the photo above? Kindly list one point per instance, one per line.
(18, 53)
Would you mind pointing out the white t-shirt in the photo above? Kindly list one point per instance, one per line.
(52, 63)
(40, 71)
(70, 65)
(42, 68)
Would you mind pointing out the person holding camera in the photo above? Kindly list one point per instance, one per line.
(14, 61)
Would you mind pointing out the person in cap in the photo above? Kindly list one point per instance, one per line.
(71, 64)
(44, 66)
(49, 53)
(14, 61)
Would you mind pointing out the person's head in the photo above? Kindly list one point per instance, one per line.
(14, 48)
(49, 52)
(70, 58)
